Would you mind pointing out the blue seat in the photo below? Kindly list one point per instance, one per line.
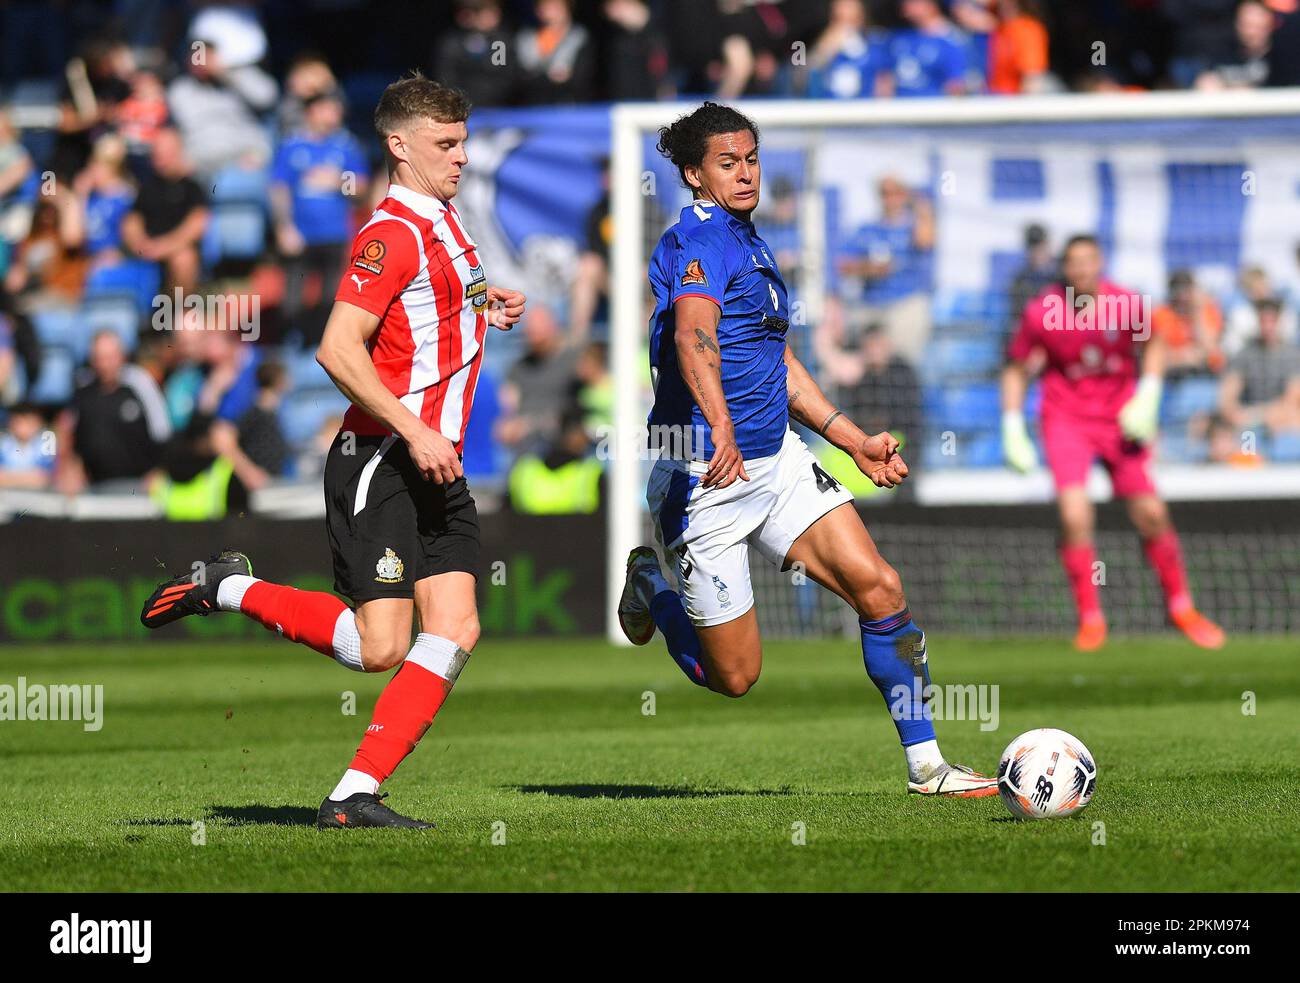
(237, 231)
(138, 278)
(1286, 447)
(303, 412)
(304, 371)
(1186, 398)
(53, 385)
(59, 326)
(962, 357)
(980, 450)
(973, 407)
(236, 184)
(114, 312)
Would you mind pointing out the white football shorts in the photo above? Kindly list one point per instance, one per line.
(706, 533)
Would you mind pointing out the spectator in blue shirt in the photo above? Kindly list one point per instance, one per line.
(892, 257)
(26, 450)
(850, 60)
(319, 172)
(106, 195)
(929, 57)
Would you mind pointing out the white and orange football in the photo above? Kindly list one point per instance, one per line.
(1046, 774)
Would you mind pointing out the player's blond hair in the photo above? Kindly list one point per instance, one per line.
(417, 98)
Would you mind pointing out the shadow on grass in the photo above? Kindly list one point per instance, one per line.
(264, 815)
(641, 791)
(157, 822)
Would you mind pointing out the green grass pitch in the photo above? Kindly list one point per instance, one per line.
(547, 744)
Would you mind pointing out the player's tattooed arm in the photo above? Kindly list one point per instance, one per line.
(876, 456)
(699, 358)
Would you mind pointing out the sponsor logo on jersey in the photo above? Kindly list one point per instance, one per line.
(370, 256)
(390, 568)
(476, 290)
(694, 274)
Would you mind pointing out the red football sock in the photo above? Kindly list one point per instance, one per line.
(408, 704)
(1165, 555)
(305, 616)
(1078, 560)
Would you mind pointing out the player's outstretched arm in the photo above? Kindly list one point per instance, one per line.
(1139, 418)
(877, 457)
(344, 357)
(1017, 447)
(700, 360)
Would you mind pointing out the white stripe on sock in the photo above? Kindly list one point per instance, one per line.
(230, 592)
(441, 656)
(347, 641)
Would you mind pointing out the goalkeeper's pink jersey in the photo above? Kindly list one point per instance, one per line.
(1091, 344)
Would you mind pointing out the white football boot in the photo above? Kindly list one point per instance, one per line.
(644, 581)
(956, 781)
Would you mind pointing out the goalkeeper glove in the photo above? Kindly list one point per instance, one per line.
(1017, 448)
(1138, 418)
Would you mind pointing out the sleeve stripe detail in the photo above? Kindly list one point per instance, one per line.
(704, 296)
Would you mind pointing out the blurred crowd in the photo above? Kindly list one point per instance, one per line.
(154, 151)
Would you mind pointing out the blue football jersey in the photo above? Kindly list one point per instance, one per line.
(710, 253)
(312, 166)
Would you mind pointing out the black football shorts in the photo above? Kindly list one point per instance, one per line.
(388, 526)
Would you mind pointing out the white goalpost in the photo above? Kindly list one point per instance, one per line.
(1085, 159)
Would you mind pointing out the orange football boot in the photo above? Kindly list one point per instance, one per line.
(1091, 634)
(1199, 629)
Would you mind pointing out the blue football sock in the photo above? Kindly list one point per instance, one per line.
(893, 649)
(679, 634)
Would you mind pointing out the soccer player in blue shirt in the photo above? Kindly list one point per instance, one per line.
(317, 174)
(731, 473)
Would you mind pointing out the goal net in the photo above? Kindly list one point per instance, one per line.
(1179, 188)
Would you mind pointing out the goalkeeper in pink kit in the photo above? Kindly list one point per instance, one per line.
(1097, 406)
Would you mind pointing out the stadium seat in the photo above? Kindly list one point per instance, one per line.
(238, 184)
(54, 384)
(60, 326)
(116, 312)
(138, 278)
(304, 371)
(979, 450)
(1285, 447)
(985, 307)
(303, 412)
(1187, 397)
(966, 408)
(962, 356)
(237, 231)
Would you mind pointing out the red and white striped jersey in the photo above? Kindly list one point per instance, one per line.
(414, 266)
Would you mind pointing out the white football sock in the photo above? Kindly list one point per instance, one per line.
(347, 642)
(922, 760)
(230, 592)
(353, 782)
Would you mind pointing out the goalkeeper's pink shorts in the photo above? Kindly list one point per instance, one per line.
(1071, 443)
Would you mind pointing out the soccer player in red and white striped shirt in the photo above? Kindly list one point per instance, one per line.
(404, 342)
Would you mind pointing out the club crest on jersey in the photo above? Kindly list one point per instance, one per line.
(694, 274)
(390, 568)
(476, 289)
(371, 254)
(724, 595)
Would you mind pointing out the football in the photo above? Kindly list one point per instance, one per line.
(1046, 774)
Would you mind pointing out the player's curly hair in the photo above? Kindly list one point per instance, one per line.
(687, 139)
(416, 97)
